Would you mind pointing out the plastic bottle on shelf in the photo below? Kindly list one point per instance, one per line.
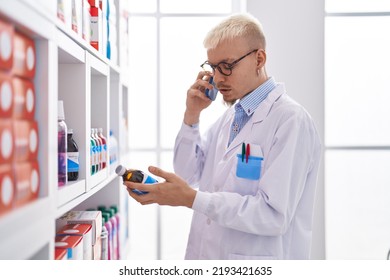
(117, 218)
(114, 247)
(136, 176)
(95, 151)
(93, 154)
(104, 147)
(73, 157)
(113, 148)
(104, 241)
(62, 146)
(99, 148)
(108, 225)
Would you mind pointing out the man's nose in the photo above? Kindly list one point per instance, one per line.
(218, 77)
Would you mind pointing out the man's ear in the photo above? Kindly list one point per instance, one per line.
(261, 58)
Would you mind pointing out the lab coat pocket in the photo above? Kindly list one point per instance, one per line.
(250, 169)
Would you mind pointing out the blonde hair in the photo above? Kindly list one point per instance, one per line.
(236, 26)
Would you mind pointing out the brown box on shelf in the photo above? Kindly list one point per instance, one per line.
(72, 243)
(24, 99)
(7, 45)
(6, 141)
(6, 95)
(7, 188)
(25, 134)
(27, 182)
(93, 218)
(24, 56)
(83, 230)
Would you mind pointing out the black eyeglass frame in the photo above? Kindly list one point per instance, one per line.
(227, 66)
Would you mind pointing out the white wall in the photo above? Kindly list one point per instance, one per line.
(295, 46)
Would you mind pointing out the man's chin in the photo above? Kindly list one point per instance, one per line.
(229, 102)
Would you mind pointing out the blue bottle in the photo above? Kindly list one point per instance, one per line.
(136, 176)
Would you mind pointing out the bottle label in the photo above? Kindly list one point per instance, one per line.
(93, 155)
(149, 179)
(73, 162)
(62, 169)
(104, 151)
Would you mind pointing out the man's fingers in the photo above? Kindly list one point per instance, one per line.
(143, 198)
(160, 173)
(138, 186)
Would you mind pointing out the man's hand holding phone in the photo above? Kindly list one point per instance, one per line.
(211, 93)
(197, 100)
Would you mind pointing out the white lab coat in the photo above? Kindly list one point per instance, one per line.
(239, 218)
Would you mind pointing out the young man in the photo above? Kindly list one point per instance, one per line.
(253, 174)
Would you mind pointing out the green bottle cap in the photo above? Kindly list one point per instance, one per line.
(115, 208)
(105, 217)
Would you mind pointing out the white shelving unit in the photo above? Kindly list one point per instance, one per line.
(94, 91)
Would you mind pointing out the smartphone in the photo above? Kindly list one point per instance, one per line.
(211, 93)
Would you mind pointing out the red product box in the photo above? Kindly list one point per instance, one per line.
(7, 148)
(24, 99)
(93, 218)
(60, 254)
(6, 45)
(73, 245)
(6, 95)
(93, 3)
(25, 140)
(24, 56)
(27, 181)
(96, 27)
(7, 188)
(84, 230)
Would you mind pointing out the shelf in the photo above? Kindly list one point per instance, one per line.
(26, 230)
(78, 200)
(27, 20)
(92, 88)
(97, 179)
(68, 192)
(69, 52)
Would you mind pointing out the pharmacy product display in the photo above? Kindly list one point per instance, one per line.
(98, 151)
(46, 56)
(103, 148)
(98, 229)
(19, 129)
(73, 157)
(62, 146)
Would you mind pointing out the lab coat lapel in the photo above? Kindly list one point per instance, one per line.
(258, 116)
(265, 106)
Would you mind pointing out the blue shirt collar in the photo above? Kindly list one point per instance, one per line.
(252, 100)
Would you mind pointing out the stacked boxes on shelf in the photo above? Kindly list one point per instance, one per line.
(71, 224)
(94, 21)
(19, 169)
(75, 15)
(84, 240)
(90, 235)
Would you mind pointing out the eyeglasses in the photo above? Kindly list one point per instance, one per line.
(223, 67)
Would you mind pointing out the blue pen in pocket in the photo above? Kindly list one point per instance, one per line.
(211, 93)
